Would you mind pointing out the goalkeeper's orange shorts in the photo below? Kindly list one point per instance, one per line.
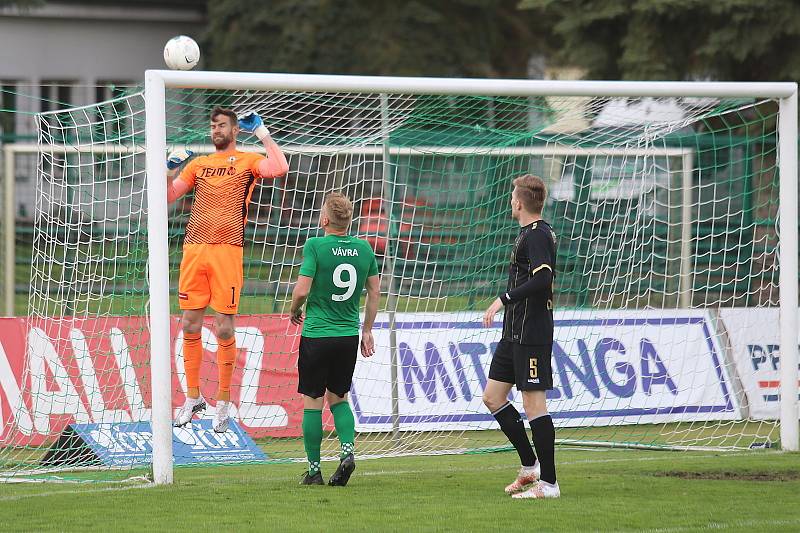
(211, 274)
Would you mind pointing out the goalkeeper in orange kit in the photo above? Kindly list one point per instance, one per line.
(211, 271)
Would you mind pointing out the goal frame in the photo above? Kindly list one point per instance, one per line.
(158, 81)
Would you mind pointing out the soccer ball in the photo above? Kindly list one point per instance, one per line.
(181, 53)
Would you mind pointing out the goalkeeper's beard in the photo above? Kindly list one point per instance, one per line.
(222, 142)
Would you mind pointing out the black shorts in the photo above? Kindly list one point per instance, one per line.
(527, 366)
(326, 363)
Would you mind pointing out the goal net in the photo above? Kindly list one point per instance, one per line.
(665, 211)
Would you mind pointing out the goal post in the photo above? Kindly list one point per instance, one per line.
(9, 255)
(787, 161)
(158, 265)
(674, 205)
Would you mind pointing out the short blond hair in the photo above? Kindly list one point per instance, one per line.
(339, 210)
(531, 191)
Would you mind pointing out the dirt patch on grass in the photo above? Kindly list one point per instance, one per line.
(789, 475)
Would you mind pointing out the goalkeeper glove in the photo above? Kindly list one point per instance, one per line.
(252, 123)
(177, 157)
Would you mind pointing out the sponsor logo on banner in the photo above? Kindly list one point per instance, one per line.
(131, 443)
(754, 335)
(608, 368)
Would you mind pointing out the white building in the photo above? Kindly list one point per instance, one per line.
(68, 53)
(73, 51)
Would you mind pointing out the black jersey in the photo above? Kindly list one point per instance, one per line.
(528, 298)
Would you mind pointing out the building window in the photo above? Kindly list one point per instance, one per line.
(8, 108)
(56, 94)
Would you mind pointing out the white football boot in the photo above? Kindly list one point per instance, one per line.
(525, 477)
(222, 417)
(191, 407)
(542, 489)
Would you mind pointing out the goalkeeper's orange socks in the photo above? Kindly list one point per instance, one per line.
(192, 357)
(226, 360)
(345, 426)
(312, 438)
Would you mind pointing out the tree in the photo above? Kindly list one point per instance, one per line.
(745, 40)
(482, 38)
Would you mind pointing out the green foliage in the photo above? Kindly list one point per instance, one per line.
(481, 38)
(612, 39)
(745, 40)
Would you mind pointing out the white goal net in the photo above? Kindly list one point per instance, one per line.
(666, 215)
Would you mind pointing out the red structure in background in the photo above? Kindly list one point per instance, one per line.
(374, 226)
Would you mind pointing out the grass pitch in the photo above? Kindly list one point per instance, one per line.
(602, 490)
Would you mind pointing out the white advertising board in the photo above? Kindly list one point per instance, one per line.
(608, 367)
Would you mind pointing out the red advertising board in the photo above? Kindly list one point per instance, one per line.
(97, 370)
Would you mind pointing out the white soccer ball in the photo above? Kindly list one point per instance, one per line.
(181, 53)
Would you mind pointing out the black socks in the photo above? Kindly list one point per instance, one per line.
(511, 424)
(544, 438)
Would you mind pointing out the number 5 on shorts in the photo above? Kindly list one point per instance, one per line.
(349, 284)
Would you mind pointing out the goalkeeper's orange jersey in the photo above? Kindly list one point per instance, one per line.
(223, 184)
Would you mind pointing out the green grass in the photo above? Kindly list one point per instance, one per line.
(603, 490)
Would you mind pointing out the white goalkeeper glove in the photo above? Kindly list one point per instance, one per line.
(177, 157)
(252, 123)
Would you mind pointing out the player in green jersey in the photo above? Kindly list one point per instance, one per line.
(335, 270)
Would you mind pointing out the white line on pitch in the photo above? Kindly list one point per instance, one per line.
(738, 524)
(58, 493)
(581, 461)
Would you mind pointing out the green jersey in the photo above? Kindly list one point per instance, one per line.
(340, 266)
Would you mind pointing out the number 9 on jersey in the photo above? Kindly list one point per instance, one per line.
(349, 284)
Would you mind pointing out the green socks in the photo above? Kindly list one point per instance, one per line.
(312, 437)
(312, 432)
(345, 426)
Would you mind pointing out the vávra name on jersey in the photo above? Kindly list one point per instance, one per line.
(345, 252)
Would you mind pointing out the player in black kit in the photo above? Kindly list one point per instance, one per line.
(523, 356)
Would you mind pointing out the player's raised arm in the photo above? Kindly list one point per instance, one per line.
(177, 187)
(275, 165)
(373, 286)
